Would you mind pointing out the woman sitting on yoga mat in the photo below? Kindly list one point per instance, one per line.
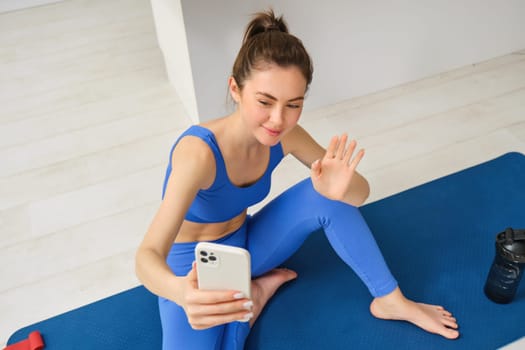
(219, 168)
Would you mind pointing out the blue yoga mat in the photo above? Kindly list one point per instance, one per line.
(438, 239)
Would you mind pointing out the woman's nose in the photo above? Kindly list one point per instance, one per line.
(277, 116)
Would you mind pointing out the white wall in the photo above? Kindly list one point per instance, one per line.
(172, 38)
(358, 47)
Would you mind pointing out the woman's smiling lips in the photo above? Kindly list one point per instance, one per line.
(272, 132)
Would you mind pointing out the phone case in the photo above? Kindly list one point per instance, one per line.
(223, 267)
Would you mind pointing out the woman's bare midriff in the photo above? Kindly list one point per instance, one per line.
(196, 232)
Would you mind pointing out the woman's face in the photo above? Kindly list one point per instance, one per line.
(271, 101)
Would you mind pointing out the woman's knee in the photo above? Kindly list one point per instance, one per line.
(178, 334)
(316, 203)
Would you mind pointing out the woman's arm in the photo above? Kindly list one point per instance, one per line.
(193, 168)
(190, 159)
(333, 170)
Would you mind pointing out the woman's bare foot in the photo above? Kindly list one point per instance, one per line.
(264, 287)
(432, 318)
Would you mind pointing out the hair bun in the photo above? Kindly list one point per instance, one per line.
(273, 26)
(264, 22)
(267, 41)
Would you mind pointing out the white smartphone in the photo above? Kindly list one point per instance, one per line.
(223, 267)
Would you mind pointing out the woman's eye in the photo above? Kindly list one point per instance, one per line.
(264, 103)
(294, 106)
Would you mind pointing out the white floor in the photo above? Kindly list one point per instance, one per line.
(87, 118)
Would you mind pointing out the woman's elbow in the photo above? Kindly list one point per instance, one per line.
(362, 193)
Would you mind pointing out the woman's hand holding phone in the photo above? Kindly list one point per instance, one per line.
(209, 308)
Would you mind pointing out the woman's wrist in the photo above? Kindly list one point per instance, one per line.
(174, 288)
(358, 193)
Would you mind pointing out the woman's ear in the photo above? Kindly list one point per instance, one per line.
(235, 91)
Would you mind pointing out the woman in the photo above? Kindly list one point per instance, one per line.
(219, 168)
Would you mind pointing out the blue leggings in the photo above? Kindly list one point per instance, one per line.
(272, 235)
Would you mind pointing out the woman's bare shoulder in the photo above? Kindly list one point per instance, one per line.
(195, 156)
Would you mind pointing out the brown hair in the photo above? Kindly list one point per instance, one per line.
(266, 41)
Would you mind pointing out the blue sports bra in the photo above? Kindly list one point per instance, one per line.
(223, 200)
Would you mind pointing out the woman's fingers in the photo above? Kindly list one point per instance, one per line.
(316, 168)
(357, 159)
(192, 275)
(332, 148)
(209, 305)
(200, 296)
(210, 308)
(209, 321)
(341, 145)
(222, 308)
(349, 152)
(338, 149)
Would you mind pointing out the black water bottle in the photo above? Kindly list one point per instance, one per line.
(506, 270)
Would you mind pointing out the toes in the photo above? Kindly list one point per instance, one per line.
(285, 274)
(275, 278)
(450, 323)
(450, 334)
(446, 313)
(449, 326)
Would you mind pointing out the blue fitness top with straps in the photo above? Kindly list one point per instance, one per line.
(223, 200)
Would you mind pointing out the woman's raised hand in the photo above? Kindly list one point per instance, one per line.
(206, 309)
(331, 175)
